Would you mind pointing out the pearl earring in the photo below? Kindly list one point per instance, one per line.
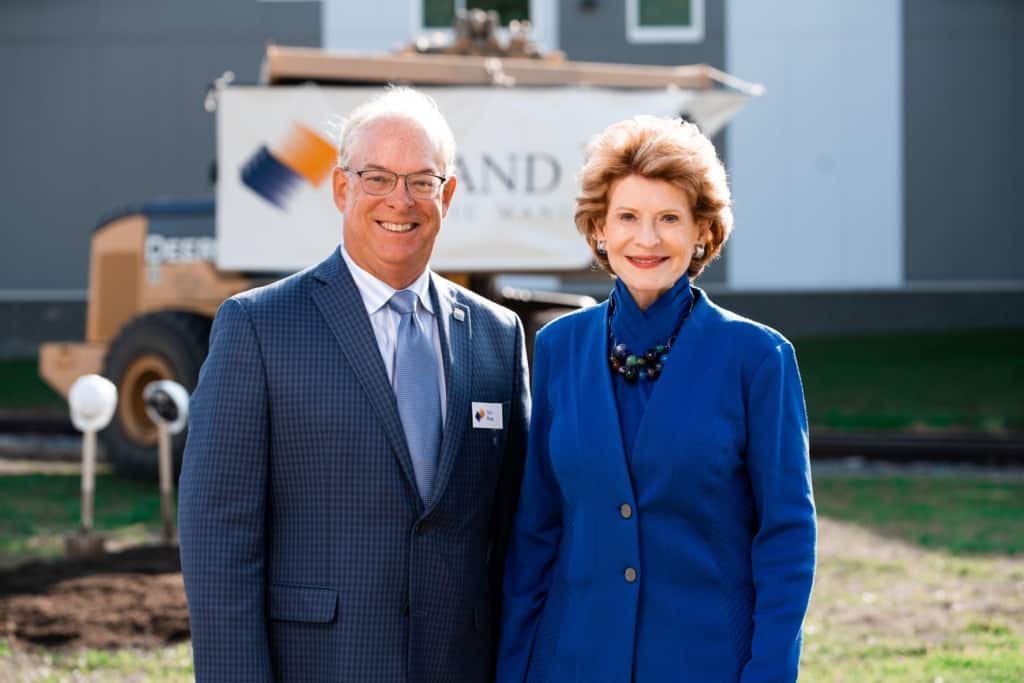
(698, 251)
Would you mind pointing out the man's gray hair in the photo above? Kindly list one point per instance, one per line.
(400, 103)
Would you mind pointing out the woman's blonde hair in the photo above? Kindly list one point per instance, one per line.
(659, 149)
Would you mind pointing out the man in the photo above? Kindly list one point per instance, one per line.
(356, 443)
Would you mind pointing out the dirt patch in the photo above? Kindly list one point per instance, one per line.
(869, 588)
(874, 587)
(133, 598)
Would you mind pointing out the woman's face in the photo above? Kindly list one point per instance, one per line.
(650, 234)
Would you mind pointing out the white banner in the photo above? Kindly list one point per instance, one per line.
(519, 152)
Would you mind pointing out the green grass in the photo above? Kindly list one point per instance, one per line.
(164, 665)
(932, 380)
(170, 664)
(22, 388)
(919, 579)
(959, 515)
(965, 380)
(37, 510)
(967, 656)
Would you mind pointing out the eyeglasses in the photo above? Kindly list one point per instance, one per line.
(380, 182)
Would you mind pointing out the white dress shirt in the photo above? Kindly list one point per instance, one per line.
(375, 295)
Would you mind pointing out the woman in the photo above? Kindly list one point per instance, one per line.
(665, 529)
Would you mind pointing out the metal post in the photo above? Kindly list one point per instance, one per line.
(92, 400)
(167, 406)
(166, 486)
(88, 478)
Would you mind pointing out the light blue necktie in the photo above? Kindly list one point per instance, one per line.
(418, 391)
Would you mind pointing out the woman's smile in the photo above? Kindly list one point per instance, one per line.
(646, 262)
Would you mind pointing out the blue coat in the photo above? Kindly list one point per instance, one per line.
(307, 552)
(693, 561)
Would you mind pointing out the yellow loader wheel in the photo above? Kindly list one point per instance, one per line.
(154, 346)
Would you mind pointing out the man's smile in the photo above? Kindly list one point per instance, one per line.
(397, 227)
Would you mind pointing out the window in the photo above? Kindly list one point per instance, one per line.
(441, 13)
(438, 15)
(665, 21)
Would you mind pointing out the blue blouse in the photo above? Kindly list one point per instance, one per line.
(641, 330)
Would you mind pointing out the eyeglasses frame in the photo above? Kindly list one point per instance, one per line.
(403, 176)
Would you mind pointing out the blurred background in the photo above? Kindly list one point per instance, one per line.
(877, 227)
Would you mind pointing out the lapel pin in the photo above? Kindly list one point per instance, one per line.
(459, 315)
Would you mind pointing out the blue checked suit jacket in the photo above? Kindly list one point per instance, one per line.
(307, 552)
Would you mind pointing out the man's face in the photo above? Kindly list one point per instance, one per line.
(391, 236)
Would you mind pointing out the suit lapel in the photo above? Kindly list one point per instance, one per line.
(456, 330)
(342, 307)
(599, 432)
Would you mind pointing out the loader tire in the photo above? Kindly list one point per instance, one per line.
(153, 346)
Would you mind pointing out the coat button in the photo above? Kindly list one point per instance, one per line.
(626, 511)
(630, 575)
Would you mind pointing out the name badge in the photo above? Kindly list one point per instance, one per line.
(487, 415)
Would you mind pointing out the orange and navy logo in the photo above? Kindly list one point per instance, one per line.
(479, 415)
(304, 156)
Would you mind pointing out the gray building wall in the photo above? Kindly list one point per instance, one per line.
(103, 107)
(963, 160)
(964, 145)
(597, 32)
(599, 35)
(814, 314)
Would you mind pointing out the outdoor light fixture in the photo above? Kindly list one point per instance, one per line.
(167, 406)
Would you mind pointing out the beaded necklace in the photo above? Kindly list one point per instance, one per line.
(648, 365)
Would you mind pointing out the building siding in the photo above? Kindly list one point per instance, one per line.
(817, 160)
(964, 146)
(104, 107)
